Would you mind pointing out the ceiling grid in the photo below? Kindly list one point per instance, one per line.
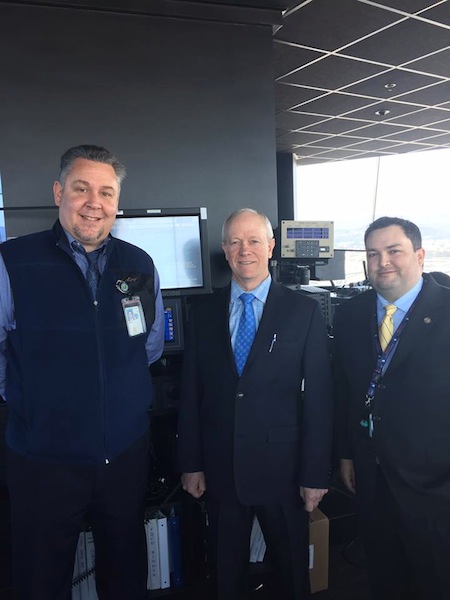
(359, 78)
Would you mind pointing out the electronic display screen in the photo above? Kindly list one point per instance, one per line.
(177, 244)
(307, 233)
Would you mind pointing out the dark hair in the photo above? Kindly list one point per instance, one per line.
(410, 229)
(94, 153)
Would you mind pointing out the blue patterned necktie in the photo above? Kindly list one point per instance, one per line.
(245, 333)
(93, 273)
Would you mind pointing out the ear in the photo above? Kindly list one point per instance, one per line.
(421, 256)
(224, 248)
(271, 247)
(57, 192)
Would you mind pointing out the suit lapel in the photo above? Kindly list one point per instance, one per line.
(423, 321)
(363, 333)
(267, 326)
(222, 313)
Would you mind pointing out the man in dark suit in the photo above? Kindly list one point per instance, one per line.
(253, 440)
(393, 415)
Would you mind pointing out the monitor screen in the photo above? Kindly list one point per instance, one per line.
(176, 239)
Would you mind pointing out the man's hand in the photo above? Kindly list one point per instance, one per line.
(348, 474)
(194, 483)
(311, 497)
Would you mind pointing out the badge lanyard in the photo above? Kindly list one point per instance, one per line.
(382, 357)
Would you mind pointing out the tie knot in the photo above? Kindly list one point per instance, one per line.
(92, 257)
(247, 298)
(390, 309)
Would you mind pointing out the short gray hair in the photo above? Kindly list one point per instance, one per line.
(94, 153)
(236, 213)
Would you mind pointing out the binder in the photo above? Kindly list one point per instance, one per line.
(175, 554)
(90, 565)
(262, 548)
(76, 574)
(163, 547)
(253, 537)
(257, 542)
(153, 573)
(82, 567)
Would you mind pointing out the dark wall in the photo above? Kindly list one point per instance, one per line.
(186, 105)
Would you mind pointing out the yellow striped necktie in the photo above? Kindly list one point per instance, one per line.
(387, 326)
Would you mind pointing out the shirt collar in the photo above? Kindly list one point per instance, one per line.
(260, 292)
(75, 243)
(405, 302)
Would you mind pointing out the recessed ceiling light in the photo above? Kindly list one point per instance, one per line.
(382, 112)
(390, 86)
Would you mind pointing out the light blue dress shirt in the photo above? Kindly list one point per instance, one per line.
(237, 306)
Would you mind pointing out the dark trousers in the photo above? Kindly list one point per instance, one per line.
(408, 557)
(50, 504)
(285, 529)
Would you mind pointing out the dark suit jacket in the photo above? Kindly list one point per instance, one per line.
(255, 436)
(412, 402)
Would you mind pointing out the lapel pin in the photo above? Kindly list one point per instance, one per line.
(427, 320)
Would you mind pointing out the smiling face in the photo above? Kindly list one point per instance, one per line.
(394, 267)
(88, 201)
(247, 248)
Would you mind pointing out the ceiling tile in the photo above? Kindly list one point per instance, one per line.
(311, 161)
(436, 94)
(337, 125)
(377, 130)
(413, 135)
(337, 104)
(287, 58)
(437, 64)
(295, 120)
(440, 139)
(404, 42)
(333, 72)
(337, 141)
(287, 96)
(395, 110)
(300, 138)
(404, 81)
(421, 117)
(444, 125)
(314, 24)
(440, 13)
(341, 154)
(409, 6)
(372, 145)
(404, 148)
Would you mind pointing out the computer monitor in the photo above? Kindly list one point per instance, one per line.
(176, 239)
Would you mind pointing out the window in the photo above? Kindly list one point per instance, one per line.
(354, 193)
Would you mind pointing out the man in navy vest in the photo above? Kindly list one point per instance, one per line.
(76, 380)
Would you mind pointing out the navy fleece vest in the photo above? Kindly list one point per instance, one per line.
(77, 386)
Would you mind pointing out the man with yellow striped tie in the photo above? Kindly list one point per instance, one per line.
(392, 372)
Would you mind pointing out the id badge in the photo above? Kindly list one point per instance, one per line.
(134, 316)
